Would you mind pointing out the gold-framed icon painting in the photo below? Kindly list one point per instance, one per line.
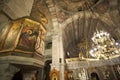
(54, 75)
(22, 36)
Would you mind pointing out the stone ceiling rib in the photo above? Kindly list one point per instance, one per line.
(90, 27)
(80, 28)
(73, 32)
(76, 28)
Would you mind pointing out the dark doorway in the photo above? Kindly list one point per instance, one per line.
(18, 76)
(47, 70)
(94, 76)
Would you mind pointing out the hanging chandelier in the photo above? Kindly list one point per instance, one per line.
(104, 46)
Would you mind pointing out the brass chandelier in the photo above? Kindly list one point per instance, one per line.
(104, 46)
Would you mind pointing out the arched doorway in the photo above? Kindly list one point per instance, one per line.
(18, 76)
(94, 76)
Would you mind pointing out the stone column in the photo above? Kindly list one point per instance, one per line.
(7, 71)
(61, 52)
(29, 75)
(57, 44)
(55, 53)
(58, 54)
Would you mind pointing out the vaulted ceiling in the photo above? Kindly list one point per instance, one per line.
(81, 18)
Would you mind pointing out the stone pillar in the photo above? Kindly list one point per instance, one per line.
(58, 55)
(55, 53)
(7, 71)
(57, 43)
(55, 38)
(29, 75)
(61, 52)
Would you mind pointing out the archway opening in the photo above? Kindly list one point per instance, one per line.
(18, 76)
(94, 76)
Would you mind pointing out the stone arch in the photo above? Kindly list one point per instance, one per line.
(87, 14)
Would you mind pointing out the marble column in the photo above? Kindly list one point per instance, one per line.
(58, 55)
(55, 53)
(57, 44)
(62, 63)
(55, 37)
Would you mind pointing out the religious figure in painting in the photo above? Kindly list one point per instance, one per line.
(54, 77)
(40, 43)
(28, 38)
